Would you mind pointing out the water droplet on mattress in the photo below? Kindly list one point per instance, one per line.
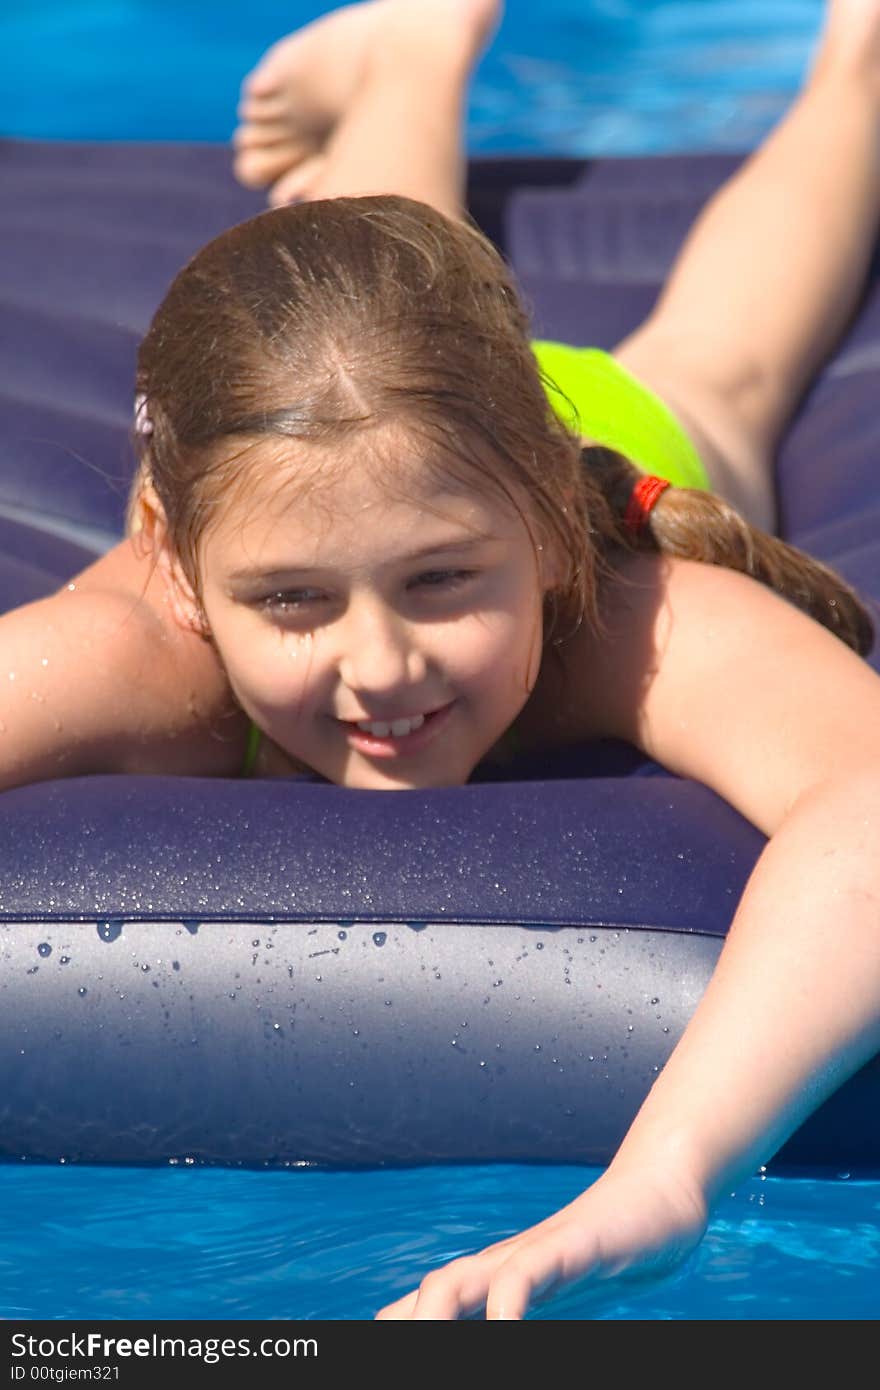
(44, 949)
(110, 930)
(379, 938)
(82, 991)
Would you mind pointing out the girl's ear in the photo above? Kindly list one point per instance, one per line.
(149, 532)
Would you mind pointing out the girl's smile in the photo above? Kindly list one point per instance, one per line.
(385, 634)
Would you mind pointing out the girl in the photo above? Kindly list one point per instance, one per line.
(358, 527)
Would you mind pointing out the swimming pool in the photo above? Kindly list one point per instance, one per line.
(175, 1243)
(593, 77)
(167, 1243)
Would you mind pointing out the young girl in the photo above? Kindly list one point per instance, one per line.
(358, 528)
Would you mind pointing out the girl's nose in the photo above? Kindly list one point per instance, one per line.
(380, 655)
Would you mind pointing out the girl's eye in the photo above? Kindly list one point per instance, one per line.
(290, 600)
(443, 579)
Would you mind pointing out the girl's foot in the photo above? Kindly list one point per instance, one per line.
(296, 95)
(849, 45)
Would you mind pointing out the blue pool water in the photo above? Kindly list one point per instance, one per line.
(592, 77)
(171, 1243)
(596, 76)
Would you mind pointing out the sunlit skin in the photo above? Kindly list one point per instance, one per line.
(338, 595)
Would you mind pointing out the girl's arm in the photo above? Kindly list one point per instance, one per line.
(724, 682)
(781, 719)
(101, 678)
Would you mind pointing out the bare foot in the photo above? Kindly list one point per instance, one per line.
(850, 40)
(296, 95)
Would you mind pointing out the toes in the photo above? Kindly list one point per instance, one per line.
(297, 183)
(256, 168)
(262, 82)
(258, 134)
(268, 108)
(273, 70)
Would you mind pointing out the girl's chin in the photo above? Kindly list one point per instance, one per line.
(386, 779)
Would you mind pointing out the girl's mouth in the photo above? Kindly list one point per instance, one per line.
(396, 738)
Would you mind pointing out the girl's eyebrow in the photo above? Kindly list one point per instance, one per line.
(444, 548)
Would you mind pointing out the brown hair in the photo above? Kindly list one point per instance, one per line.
(319, 320)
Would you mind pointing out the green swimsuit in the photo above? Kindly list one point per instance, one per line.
(598, 398)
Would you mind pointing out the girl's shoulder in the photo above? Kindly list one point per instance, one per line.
(134, 691)
(716, 677)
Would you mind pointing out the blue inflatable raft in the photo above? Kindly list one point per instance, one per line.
(279, 972)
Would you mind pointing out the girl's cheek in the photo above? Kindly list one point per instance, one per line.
(288, 675)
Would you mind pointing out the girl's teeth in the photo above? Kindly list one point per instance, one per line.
(398, 727)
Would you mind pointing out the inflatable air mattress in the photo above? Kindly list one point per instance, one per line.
(286, 972)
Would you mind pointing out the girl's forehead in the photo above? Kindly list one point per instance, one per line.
(300, 484)
(317, 501)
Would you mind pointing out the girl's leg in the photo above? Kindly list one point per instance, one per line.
(367, 100)
(772, 270)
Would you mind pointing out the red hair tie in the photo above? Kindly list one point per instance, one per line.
(643, 498)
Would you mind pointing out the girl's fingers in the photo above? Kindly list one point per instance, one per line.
(507, 1278)
(456, 1290)
(624, 1225)
(504, 1279)
(537, 1268)
(400, 1310)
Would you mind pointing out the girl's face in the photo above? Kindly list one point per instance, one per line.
(384, 635)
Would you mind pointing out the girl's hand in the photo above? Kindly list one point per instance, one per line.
(632, 1223)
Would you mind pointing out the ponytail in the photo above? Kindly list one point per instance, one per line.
(695, 525)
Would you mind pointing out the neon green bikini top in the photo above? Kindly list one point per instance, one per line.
(600, 399)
